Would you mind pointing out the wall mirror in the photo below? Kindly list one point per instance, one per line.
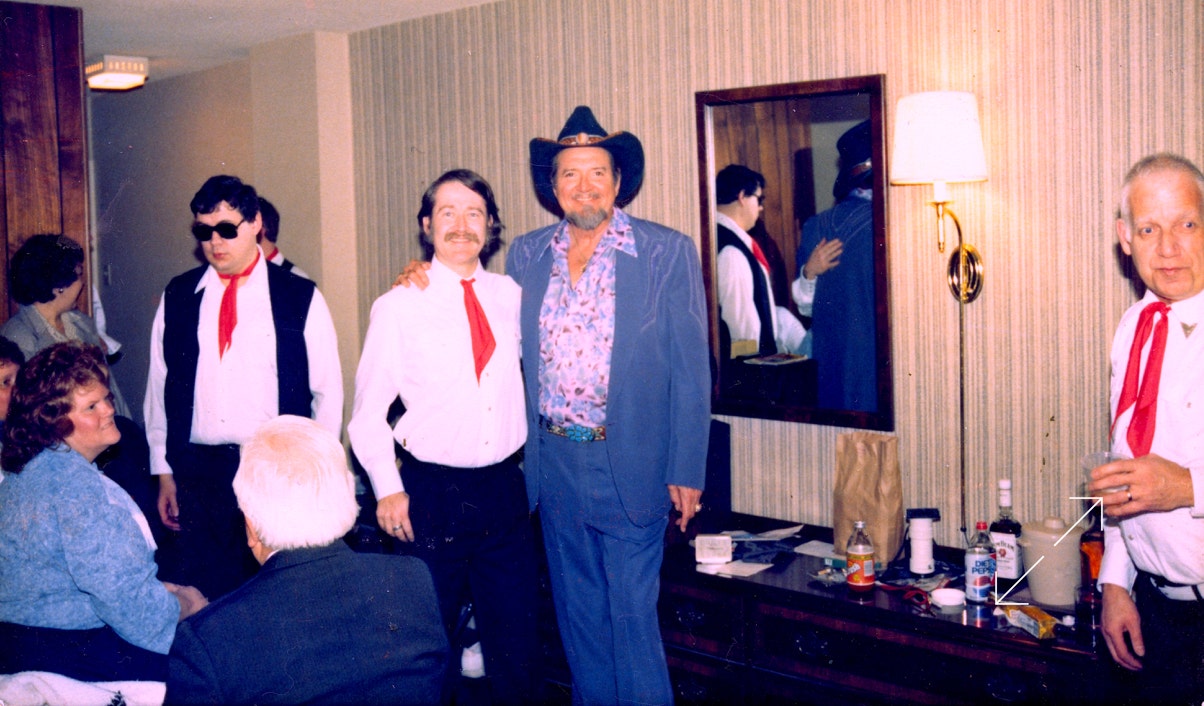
(839, 373)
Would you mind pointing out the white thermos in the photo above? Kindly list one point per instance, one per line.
(920, 530)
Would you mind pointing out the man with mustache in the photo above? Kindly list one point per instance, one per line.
(615, 356)
(451, 352)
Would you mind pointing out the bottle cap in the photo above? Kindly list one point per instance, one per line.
(980, 525)
(1005, 484)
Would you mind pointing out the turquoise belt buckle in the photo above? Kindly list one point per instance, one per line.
(578, 433)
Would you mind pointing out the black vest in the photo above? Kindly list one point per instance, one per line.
(290, 297)
(766, 345)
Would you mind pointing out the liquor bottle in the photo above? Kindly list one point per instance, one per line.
(980, 567)
(1005, 535)
(859, 553)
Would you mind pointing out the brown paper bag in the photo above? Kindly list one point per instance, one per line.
(868, 488)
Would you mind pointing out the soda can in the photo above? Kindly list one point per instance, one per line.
(980, 571)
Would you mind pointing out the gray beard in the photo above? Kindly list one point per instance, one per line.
(587, 219)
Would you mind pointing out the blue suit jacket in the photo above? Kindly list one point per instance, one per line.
(658, 406)
(322, 625)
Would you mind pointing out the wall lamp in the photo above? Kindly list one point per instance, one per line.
(938, 140)
(116, 73)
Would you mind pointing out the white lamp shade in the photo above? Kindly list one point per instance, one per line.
(937, 139)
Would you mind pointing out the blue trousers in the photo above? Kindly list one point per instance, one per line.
(605, 574)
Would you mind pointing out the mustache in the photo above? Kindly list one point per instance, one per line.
(454, 234)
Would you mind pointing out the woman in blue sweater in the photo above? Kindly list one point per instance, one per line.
(78, 593)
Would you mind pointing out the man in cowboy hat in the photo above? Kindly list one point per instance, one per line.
(614, 339)
(836, 281)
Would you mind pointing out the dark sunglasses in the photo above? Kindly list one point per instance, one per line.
(226, 229)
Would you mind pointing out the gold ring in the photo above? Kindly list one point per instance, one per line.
(698, 507)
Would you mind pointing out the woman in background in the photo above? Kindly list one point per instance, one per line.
(78, 593)
(45, 279)
(11, 360)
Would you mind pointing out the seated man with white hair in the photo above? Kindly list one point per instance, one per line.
(319, 623)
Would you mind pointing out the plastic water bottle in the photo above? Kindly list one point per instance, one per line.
(859, 553)
(980, 565)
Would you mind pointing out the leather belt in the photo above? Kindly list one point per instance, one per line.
(1177, 591)
(573, 432)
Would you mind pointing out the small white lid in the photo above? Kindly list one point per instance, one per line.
(948, 597)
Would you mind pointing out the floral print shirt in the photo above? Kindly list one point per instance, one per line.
(577, 328)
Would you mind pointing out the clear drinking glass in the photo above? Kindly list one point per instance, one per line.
(1094, 460)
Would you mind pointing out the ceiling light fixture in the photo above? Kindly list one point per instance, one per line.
(116, 73)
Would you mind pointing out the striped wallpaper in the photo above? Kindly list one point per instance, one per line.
(1070, 92)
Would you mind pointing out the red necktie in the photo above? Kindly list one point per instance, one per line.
(1141, 427)
(482, 336)
(227, 317)
(759, 254)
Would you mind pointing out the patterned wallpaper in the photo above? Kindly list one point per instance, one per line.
(1070, 93)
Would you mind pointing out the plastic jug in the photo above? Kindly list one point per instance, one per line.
(1051, 556)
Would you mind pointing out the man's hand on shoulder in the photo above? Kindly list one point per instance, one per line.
(415, 274)
(824, 257)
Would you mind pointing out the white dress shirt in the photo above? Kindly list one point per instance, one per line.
(237, 392)
(1169, 544)
(419, 347)
(277, 258)
(736, 304)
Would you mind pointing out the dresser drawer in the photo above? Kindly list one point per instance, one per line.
(698, 679)
(702, 620)
(871, 659)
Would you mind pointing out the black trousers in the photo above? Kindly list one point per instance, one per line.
(99, 654)
(1173, 631)
(472, 528)
(212, 545)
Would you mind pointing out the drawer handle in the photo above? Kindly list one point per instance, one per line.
(1006, 688)
(689, 617)
(812, 645)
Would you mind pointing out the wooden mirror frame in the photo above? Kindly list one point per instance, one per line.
(771, 106)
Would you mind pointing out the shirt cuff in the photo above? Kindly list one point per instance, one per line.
(1116, 566)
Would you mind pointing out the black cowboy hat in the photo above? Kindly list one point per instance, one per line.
(582, 130)
(855, 167)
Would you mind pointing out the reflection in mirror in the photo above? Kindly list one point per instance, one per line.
(792, 178)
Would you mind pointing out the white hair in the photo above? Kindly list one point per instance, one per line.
(1161, 162)
(294, 485)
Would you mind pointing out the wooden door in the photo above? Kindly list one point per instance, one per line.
(43, 152)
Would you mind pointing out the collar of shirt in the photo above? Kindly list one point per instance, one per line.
(725, 220)
(1188, 312)
(259, 274)
(443, 276)
(617, 236)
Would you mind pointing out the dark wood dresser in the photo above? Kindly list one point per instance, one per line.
(782, 636)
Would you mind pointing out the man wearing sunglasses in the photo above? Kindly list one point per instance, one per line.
(234, 343)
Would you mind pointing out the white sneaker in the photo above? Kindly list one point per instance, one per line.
(472, 662)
